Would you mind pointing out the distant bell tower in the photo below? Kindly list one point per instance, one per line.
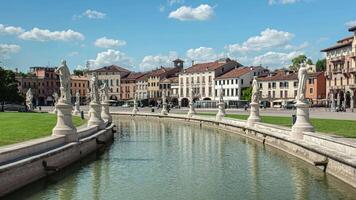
(178, 63)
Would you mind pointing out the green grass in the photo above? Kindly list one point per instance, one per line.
(17, 127)
(345, 128)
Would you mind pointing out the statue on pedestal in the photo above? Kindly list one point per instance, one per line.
(135, 109)
(77, 104)
(29, 100)
(63, 107)
(104, 97)
(164, 104)
(94, 106)
(255, 103)
(55, 101)
(221, 104)
(191, 111)
(302, 124)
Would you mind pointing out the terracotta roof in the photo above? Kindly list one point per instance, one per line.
(133, 76)
(173, 79)
(337, 46)
(235, 73)
(111, 68)
(210, 66)
(352, 29)
(345, 39)
(158, 72)
(280, 77)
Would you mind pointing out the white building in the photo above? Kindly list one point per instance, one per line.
(200, 77)
(141, 87)
(234, 81)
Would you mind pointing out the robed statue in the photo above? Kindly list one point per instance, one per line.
(77, 97)
(255, 91)
(55, 97)
(221, 94)
(302, 78)
(64, 77)
(94, 95)
(29, 99)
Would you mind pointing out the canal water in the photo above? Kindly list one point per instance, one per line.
(159, 160)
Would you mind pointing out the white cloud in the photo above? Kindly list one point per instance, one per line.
(150, 62)
(200, 13)
(350, 24)
(267, 39)
(42, 35)
(73, 53)
(272, 2)
(91, 14)
(298, 47)
(111, 57)
(276, 59)
(172, 2)
(109, 43)
(10, 30)
(7, 49)
(203, 54)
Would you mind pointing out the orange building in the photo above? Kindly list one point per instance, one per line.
(316, 88)
(80, 84)
(128, 85)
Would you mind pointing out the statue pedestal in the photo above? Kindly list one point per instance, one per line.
(191, 111)
(76, 109)
(302, 123)
(105, 113)
(164, 109)
(254, 114)
(64, 124)
(94, 113)
(135, 109)
(221, 113)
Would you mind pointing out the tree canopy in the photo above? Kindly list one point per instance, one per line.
(78, 72)
(8, 87)
(246, 93)
(321, 65)
(299, 60)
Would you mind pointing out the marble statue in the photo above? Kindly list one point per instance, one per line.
(255, 104)
(55, 99)
(104, 92)
(164, 104)
(64, 77)
(302, 78)
(95, 107)
(63, 106)
(221, 105)
(255, 91)
(104, 97)
(94, 96)
(302, 123)
(77, 104)
(191, 111)
(29, 99)
(135, 107)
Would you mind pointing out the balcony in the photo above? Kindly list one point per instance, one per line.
(338, 59)
(336, 71)
(352, 70)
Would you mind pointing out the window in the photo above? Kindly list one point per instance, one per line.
(286, 94)
(273, 85)
(232, 92)
(237, 92)
(269, 93)
(286, 84)
(237, 81)
(227, 82)
(281, 84)
(311, 90)
(216, 92)
(273, 94)
(295, 84)
(260, 85)
(269, 85)
(209, 91)
(281, 94)
(227, 92)
(242, 81)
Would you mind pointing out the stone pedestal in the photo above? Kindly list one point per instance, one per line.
(64, 124)
(95, 115)
(164, 109)
(105, 113)
(221, 113)
(76, 109)
(135, 109)
(254, 114)
(191, 111)
(302, 123)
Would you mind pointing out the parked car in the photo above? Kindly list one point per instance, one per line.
(125, 105)
(289, 105)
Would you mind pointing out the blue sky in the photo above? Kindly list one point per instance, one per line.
(144, 34)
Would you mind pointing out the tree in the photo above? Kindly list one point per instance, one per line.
(321, 65)
(299, 60)
(78, 72)
(246, 93)
(8, 87)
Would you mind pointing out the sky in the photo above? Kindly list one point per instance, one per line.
(142, 35)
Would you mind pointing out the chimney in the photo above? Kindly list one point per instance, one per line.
(192, 62)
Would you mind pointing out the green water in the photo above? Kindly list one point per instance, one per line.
(155, 160)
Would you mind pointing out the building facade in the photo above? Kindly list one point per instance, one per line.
(341, 72)
(79, 84)
(200, 77)
(234, 81)
(43, 82)
(128, 85)
(112, 76)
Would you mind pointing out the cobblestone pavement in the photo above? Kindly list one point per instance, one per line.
(320, 113)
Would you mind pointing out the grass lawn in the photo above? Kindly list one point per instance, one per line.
(17, 127)
(345, 128)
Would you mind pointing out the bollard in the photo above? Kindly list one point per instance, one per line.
(82, 114)
(294, 118)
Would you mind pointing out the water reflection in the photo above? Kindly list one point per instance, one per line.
(172, 160)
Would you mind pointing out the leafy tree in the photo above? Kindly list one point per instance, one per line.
(246, 93)
(299, 60)
(321, 65)
(78, 72)
(8, 87)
